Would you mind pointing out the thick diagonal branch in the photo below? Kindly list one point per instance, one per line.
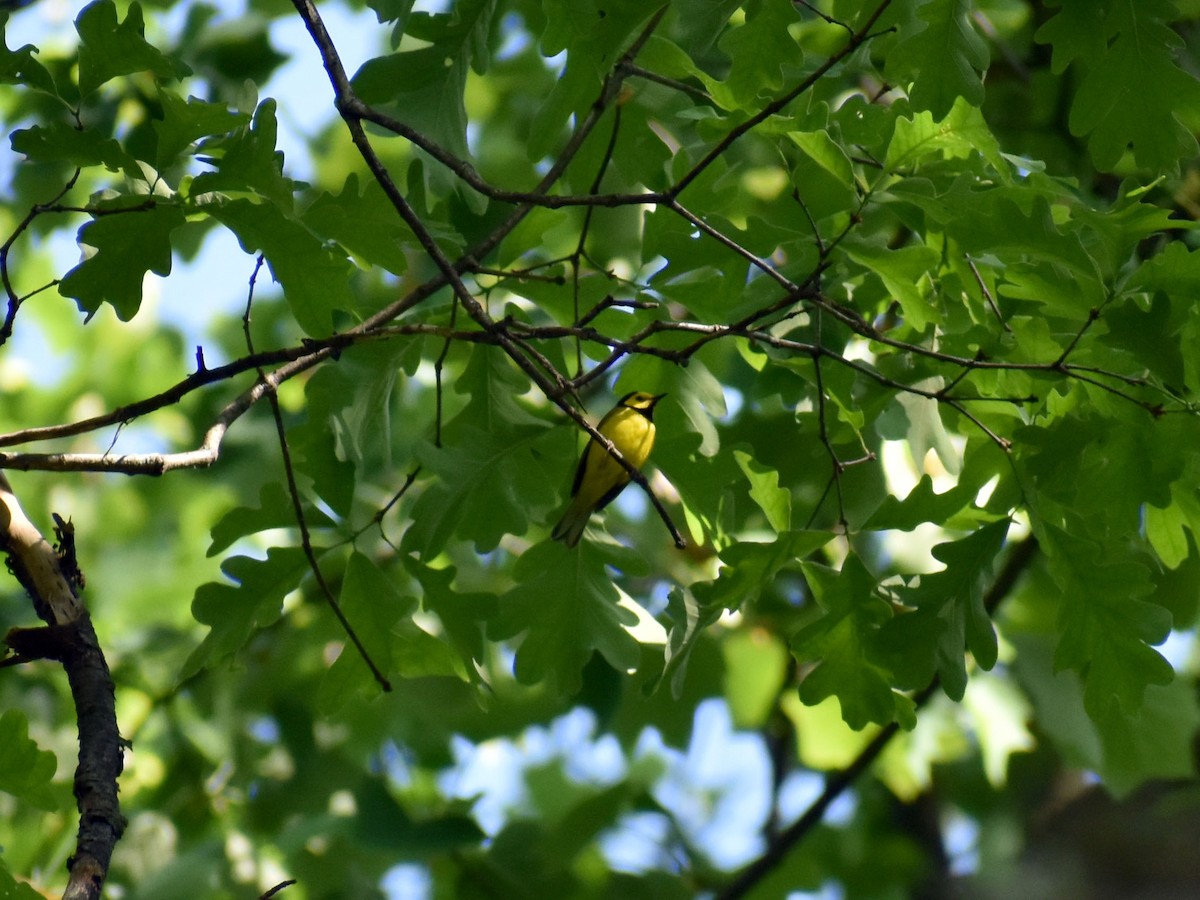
(69, 638)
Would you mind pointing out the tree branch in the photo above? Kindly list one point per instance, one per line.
(554, 386)
(70, 639)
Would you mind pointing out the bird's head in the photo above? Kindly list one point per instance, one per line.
(641, 401)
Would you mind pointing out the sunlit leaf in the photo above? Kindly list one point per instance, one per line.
(119, 249)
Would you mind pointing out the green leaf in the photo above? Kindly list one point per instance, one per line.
(322, 445)
(1149, 335)
(119, 249)
(1076, 32)
(382, 823)
(566, 607)
(925, 430)
(11, 889)
(274, 511)
(948, 618)
(962, 132)
(773, 500)
(1106, 626)
(19, 67)
(593, 35)
(379, 615)
(488, 485)
(427, 87)
(687, 622)
(464, 615)
(1155, 743)
(843, 644)
(491, 384)
(237, 50)
(943, 55)
(82, 147)
(1176, 270)
(748, 567)
(26, 772)
(108, 48)
(824, 151)
(1133, 90)
(392, 11)
(1126, 750)
(364, 222)
(186, 121)
(758, 50)
(920, 506)
(698, 25)
(246, 163)
(254, 600)
(905, 273)
(1165, 524)
(314, 278)
(424, 87)
(1165, 532)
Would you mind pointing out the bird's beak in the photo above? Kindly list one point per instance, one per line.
(658, 397)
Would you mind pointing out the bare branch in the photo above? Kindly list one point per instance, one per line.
(14, 301)
(70, 639)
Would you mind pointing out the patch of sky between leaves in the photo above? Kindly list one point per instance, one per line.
(718, 790)
(216, 279)
(407, 881)
(1180, 649)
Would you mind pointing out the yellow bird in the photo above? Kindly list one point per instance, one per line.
(599, 478)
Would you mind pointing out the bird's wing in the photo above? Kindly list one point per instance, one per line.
(581, 468)
(583, 457)
(612, 494)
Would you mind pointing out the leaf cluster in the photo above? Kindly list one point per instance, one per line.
(917, 278)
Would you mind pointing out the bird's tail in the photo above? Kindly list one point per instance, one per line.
(570, 527)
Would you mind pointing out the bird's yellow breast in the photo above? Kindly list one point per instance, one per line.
(599, 478)
(631, 433)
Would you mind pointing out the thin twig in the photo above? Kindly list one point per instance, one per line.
(14, 302)
(267, 895)
(682, 86)
(555, 386)
(377, 519)
(823, 435)
(857, 39)
(987, 294)
(518, 275)
(829, 20)
(586, 227)
(289, 472)
(1093, 315)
